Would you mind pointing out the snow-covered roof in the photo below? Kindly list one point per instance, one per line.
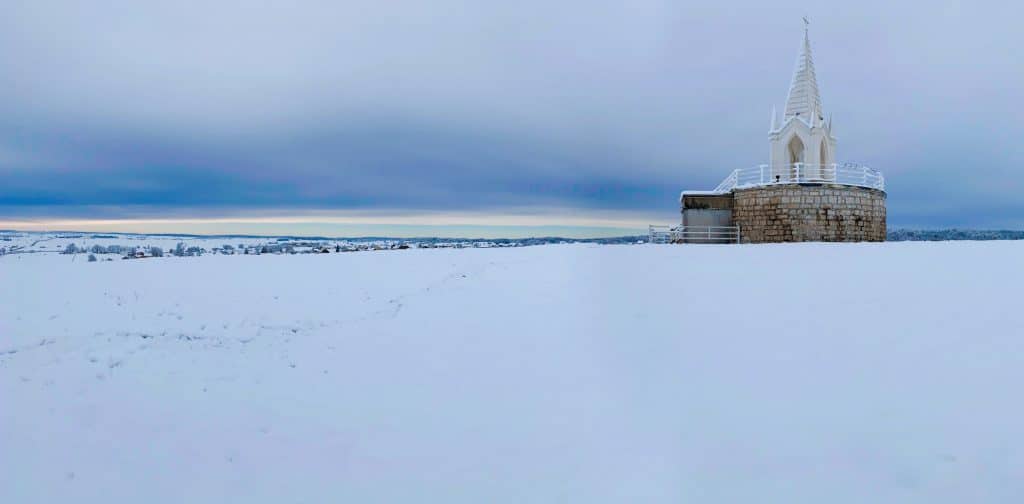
(700, 193)
(703, 193)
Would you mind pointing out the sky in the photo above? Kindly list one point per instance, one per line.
(491, 118)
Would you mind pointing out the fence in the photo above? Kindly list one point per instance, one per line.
(800, 173)
(694, 234)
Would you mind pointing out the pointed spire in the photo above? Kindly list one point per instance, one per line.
(803, 100)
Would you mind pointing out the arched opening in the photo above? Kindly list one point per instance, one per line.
(825, 171)
(796, 150)
(795, 153)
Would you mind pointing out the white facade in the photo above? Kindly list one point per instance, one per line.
(804, 138)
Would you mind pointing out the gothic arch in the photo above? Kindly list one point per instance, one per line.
(795, 150)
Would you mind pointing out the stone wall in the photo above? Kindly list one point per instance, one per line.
(794, 213)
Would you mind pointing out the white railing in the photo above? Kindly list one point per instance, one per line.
(803, 173)
(729, 183)
(659, 234)
(705, 234)
(694, 234)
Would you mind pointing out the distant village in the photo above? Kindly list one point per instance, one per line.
(181, 250)
(20, 242)
(94, 246)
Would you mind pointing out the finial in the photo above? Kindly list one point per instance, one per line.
(774, 121)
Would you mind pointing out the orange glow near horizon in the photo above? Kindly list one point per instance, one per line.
(397, 224)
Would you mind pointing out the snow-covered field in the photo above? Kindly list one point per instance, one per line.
(808, 373)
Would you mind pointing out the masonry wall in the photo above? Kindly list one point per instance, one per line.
(794, 213)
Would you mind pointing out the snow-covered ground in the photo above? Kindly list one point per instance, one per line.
(808, 373)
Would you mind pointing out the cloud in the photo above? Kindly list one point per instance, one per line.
(204, 107)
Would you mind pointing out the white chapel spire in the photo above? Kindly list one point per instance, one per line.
(804, 136)
(803, 99)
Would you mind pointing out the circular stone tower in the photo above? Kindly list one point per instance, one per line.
(809, 212)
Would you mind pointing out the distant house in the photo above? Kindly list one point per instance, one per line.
(136, 254)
